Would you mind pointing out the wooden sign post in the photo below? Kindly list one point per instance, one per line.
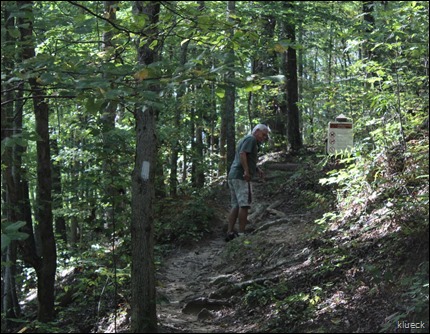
(340, 136)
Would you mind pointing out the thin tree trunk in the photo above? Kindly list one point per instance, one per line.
(10, 196)
(293, 119)
(230, 95)
(144, 315)
(110, 147)
(46, 272)
(369, 22)
(176, 145)
(46, 276)
(60, 221)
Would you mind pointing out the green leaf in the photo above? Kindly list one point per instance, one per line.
(153, 44)
(10, 232)
(220, 92)
(13, 227)
(13, 32)
(5, 241)
(252, 88)
(11, 142)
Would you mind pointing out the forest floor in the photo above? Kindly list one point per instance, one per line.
(287, 274)
(293, 272)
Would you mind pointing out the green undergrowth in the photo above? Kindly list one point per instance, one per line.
(363, 266)
(183, 220)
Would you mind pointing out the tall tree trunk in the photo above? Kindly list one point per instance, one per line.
(230, 94)
(369, 26)
(199, 152)
(10, 195)
(143, 303)
(222, 166)
(214, 136)
(177, 122)
(198, 149)
(60, 221)
(110, 147)
(293, 115)
(46, 272)
(192, 136)
(267, 65)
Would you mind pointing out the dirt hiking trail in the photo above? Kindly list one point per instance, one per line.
(199, 286)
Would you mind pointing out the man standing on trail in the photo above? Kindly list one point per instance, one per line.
(242, 170)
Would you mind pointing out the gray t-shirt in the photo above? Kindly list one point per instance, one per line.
(249, 145)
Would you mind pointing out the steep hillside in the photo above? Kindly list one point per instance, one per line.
(291, 274)
(309, 263)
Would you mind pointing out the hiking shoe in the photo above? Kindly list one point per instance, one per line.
(230, 236)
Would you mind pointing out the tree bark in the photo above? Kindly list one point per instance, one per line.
(46, 270)
(46, 274)
(177, 122)
(10, 195)
(293, 115)
(230, 95)
(60, 221)
(144, 315)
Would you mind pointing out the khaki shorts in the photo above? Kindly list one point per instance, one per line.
(239, 193)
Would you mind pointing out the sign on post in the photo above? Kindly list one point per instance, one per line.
(339, 136)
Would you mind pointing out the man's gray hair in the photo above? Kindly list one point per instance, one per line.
(261, 127)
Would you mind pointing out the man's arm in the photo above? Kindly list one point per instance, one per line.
(244, 163)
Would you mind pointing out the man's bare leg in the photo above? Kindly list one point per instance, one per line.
(243, 218)
(232, 219)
